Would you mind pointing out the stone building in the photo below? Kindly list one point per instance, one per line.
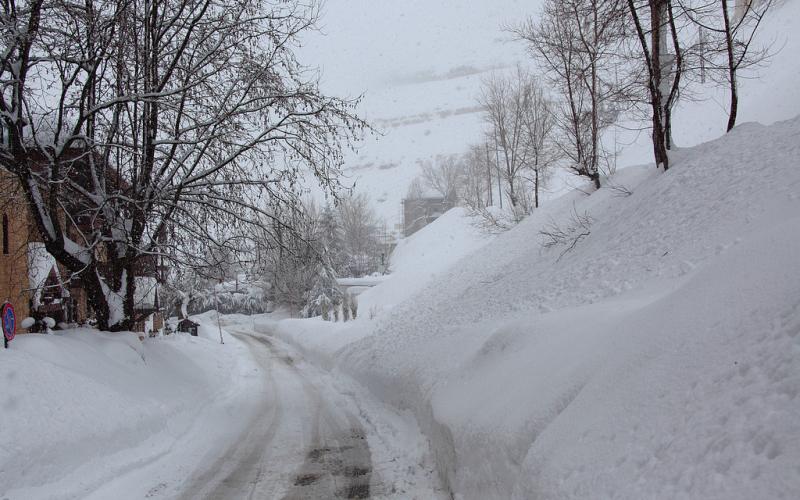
(420, 211)
(37, 286)
(30, 278)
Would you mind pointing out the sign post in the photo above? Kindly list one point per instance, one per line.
(9, 320)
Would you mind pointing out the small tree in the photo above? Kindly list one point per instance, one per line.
(444, 175)
(354, 306)
(538, 126)
(504, 104)
(476, 182)
(578, 44)
(346, 308)
(521, 123)
(359, 229)
(728, 41)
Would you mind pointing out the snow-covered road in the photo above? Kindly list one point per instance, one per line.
(311, 437)
(304, 443)
(250, 419)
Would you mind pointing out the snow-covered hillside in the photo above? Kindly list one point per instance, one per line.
(658, 358)
(419, 66)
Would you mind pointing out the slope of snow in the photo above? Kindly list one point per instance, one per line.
(81, 407)
(415, 262)
(419, 258)
(658, 358)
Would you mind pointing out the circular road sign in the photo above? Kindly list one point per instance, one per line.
(9, 321)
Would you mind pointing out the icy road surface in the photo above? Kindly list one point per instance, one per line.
(311, 440)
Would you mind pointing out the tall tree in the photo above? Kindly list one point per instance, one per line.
(520, 126)
(729, 37)
(444, 176)
(663, 62)
(135, 128)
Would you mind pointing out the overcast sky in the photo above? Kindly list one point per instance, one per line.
(367, 45)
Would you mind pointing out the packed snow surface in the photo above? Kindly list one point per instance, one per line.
(80, 408)
(659, 358)
(94, 416)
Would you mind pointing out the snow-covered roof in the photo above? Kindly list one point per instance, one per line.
(40, 265)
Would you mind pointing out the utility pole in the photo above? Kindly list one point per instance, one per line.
(497, 164)
(219, 324)
(489, 172)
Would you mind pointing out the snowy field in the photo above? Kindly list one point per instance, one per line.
(419, 66)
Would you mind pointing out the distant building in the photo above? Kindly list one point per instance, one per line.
(419, 212)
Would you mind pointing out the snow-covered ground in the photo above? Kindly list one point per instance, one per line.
(94, 415)
(658, 358)
(81, 408)
(414, 264)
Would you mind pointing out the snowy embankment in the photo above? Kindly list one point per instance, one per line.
(414, 263)
(659, 358)
(81, 408)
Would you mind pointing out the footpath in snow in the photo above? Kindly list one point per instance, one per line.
(658, 358)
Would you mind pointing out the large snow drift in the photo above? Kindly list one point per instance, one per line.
(415, 262)
(658, 358)
(81, 407)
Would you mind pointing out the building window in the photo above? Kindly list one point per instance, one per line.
(5, 234)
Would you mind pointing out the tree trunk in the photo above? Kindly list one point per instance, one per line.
(95, 298)
(652, 57)
(129, 302)
(731, 68)
(734, 103)
(595, 177)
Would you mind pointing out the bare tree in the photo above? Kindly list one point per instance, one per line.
(538, 124)
(136, 128)
(728, 40)
(359, 235)
(476, 181)
(663, 62)
(502, 102)
(415, 190)
(521, 126)
(295, 260)
(578, 44)
(444, 175)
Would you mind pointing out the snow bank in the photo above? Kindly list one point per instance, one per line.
(415, 262)
(658, 358)
(419, 258)
(80, 408)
